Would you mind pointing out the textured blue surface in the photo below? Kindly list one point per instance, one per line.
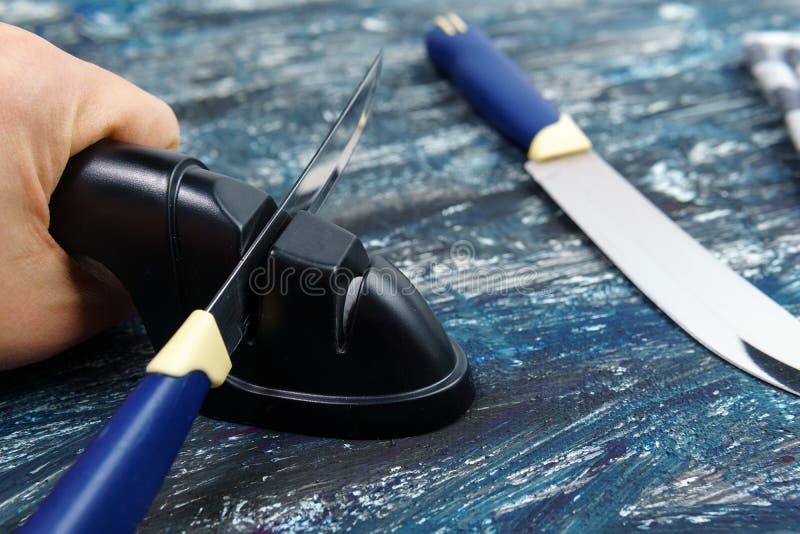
(593, 410)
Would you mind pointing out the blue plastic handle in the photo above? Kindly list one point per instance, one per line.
(492, 83)
(111, 485)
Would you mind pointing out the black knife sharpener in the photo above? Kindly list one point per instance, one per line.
(343, 346)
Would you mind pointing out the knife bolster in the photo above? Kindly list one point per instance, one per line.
(562, 138)
(196, 346)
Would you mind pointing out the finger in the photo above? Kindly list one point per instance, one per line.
(68, 104)
(110, 106)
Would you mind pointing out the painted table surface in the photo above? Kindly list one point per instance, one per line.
(593, 410)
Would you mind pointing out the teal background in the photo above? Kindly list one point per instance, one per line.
(593, 410)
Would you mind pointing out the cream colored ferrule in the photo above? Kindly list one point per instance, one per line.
(562, 138)
(196, 346)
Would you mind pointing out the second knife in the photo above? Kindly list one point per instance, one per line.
(717, 307)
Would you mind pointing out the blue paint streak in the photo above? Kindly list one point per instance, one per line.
(594, 411)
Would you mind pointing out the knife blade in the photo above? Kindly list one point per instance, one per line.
(232, 305)
(111, 485)
(713, 304)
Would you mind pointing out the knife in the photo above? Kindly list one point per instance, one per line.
(111, 485)
(717, 307)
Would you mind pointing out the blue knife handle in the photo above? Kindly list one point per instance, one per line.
(501, 92)
(113, 482)
(111, 485)
(492, 83)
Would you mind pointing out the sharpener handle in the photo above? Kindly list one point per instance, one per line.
(500, 91)
(111, 485)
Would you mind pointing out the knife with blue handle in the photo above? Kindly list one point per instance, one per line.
(111, 485)
(713, 304)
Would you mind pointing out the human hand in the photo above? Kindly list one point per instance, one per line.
(52, 106)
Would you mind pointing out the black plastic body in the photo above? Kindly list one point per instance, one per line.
(343, 344)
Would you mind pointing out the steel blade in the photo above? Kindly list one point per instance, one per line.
(330, 160)
(234, 302)
(716, 306)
